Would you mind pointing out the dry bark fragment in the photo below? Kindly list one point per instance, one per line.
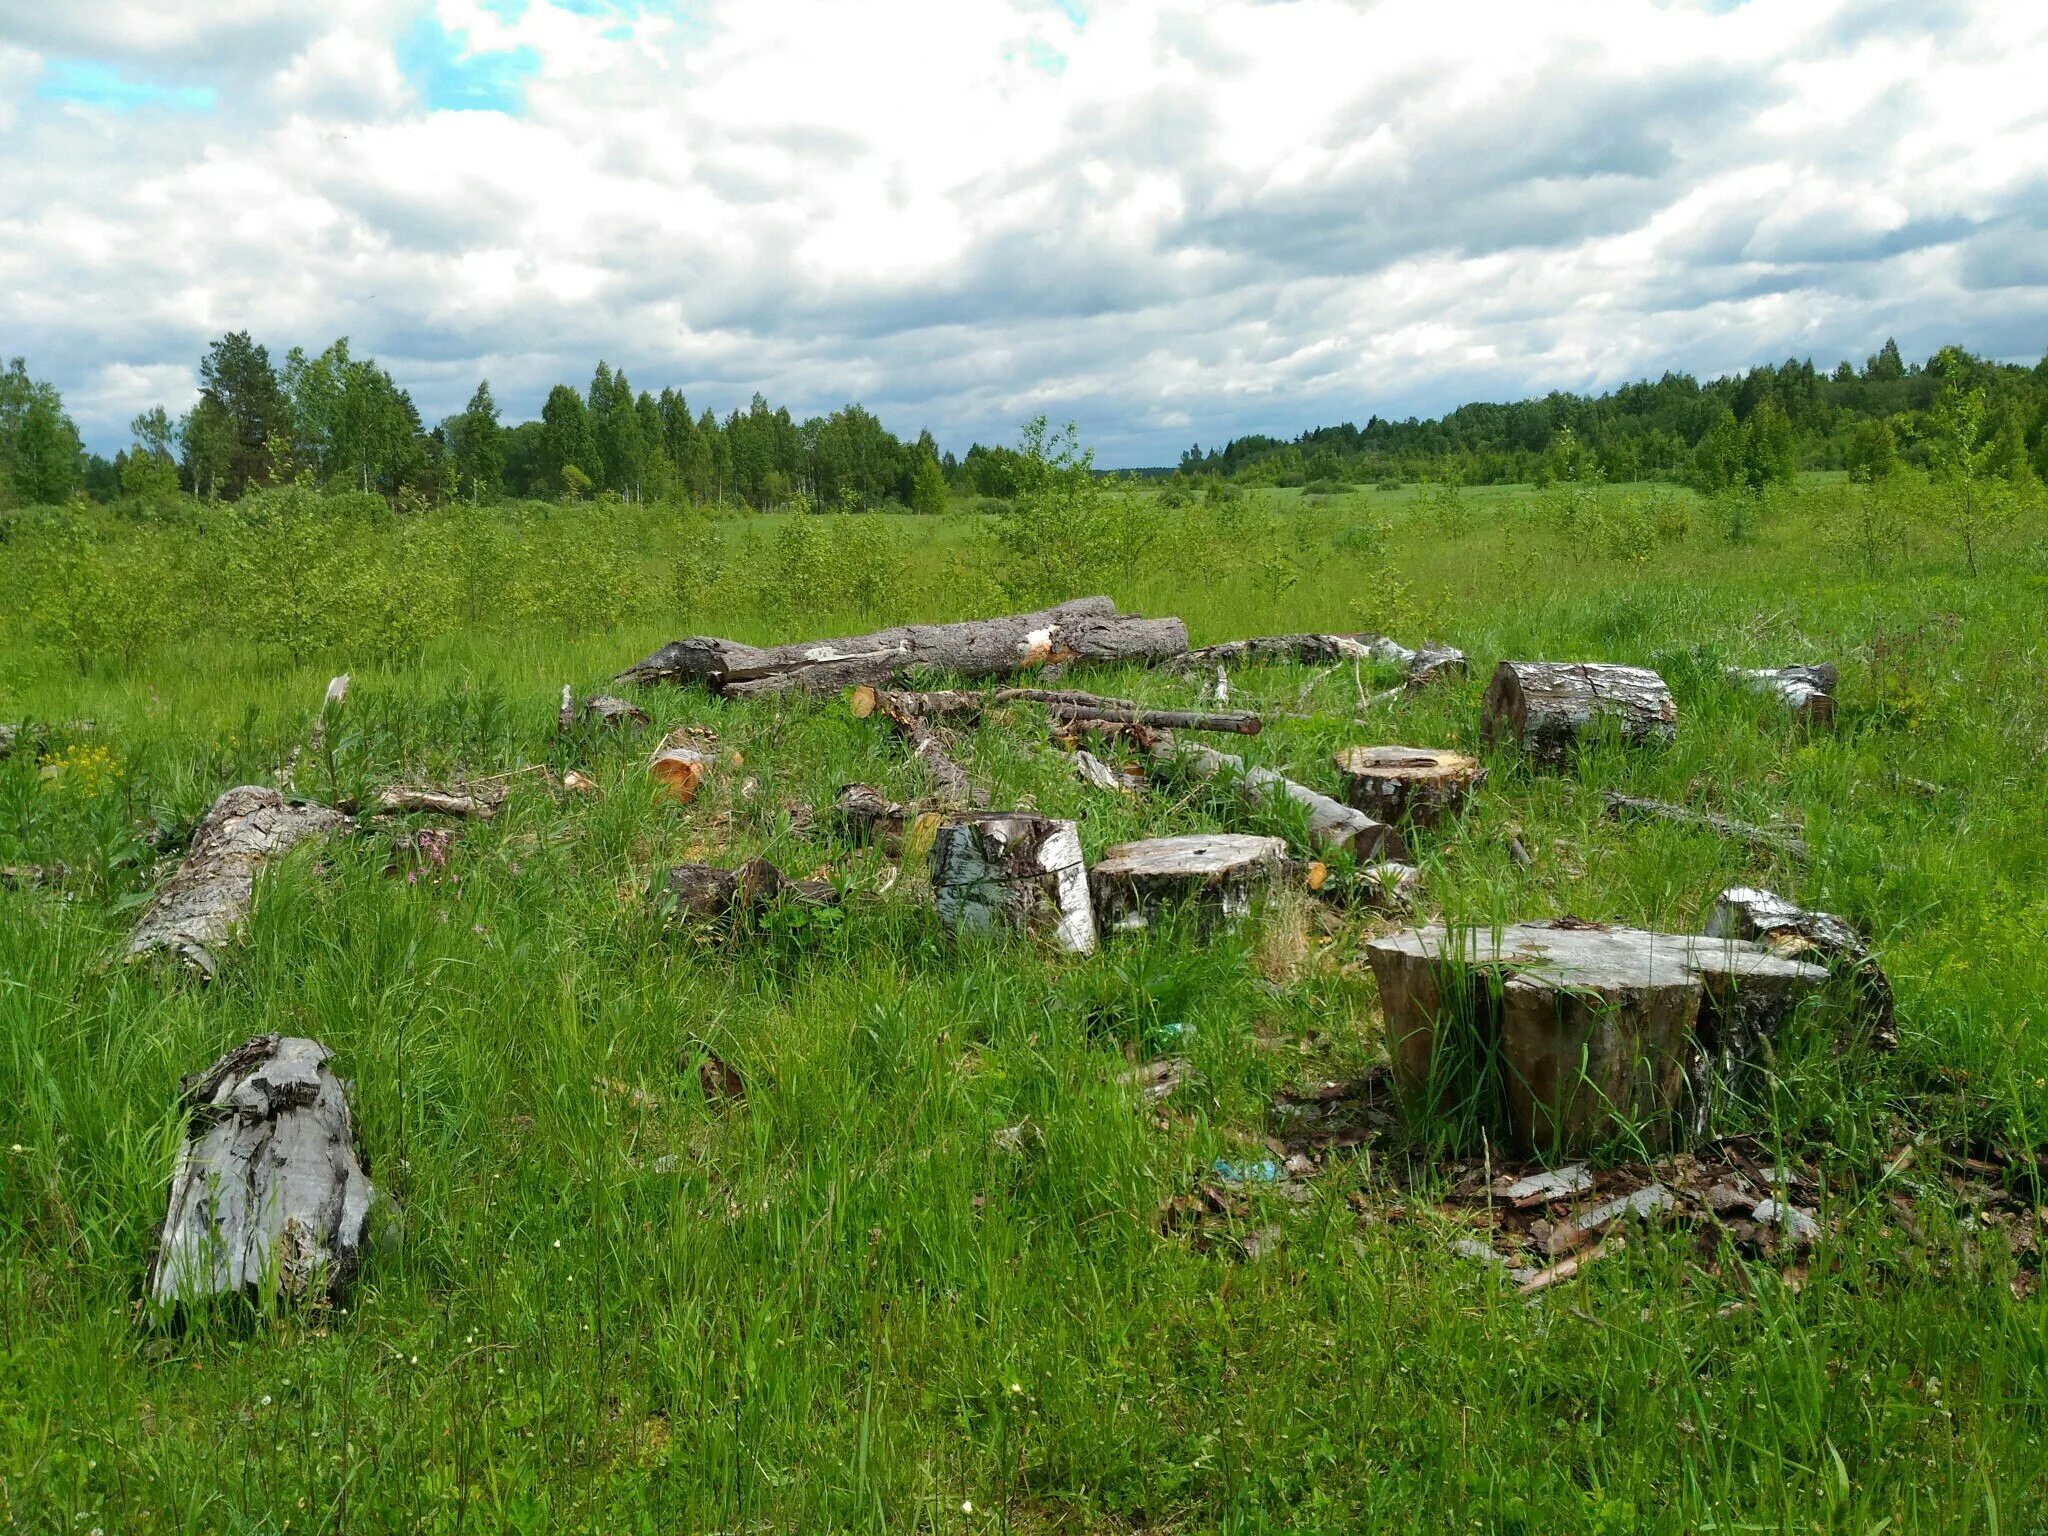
(1549, 706)
(194, 913)
(268, 1189)
(1086, 629)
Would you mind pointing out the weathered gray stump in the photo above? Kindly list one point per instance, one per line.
(1548, 706)
(194, 913)
(1807, 692)
(1086, 629)
(1011, 869)
(1415, 786)
(1597, 1029)
(1331, 825)
(268, 1196)
(700, 891)
(1742, 912)
(1215, 873)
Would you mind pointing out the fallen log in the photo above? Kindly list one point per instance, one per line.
(1807, 692)
(1121, 712)
(1742, 912)
(1086, 629)
(703, 891)
(1582, 1031)
(478, 805)
(612, 712)
(1620, 806)
(1331, 826)
(1423, 667)
(268, 1196)
(1549, 706)
(197, 909)
(1011, 869)
(1215, 873)
(1414, 786)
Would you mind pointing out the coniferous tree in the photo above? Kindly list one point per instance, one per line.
(237, 375)
(479, 447)
(566, 440)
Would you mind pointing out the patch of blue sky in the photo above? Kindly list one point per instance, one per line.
(94, 84)
(1043, 57)
(1074, 11)
(450, 78)
(507, 11)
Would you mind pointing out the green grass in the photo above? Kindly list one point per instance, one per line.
(848, 1305)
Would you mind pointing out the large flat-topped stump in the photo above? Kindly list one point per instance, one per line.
(1421, 786)
(1597, 1029)
(1010, 869)
(1549, 707)
(1214, 872)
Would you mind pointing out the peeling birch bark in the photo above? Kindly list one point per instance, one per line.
(1549, 706)
(1742, 912)
(1807, 692)
(1010, 869)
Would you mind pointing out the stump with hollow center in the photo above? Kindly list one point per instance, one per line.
(1575, 1032)
(1418, 786)
(1214, 873)
(1549, 707)
(1011, 869)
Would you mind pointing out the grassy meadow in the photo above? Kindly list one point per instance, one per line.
(920, 1279)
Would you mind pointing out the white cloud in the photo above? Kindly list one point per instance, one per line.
(1171, 220)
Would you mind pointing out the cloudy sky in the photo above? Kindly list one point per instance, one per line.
(1166, 220)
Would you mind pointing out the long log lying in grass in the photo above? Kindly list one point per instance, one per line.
(909, 714)
(1620, 806)
(1087, 629)
(195, 911)
(1331, 825)
(1425, 666)
(1066, 705)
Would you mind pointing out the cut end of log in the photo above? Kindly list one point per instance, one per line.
(679, 766)
(1416, 786)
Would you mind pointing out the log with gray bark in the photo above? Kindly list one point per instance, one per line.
(1592, 1030)
(268, 1196)
(911, 714)
(1086, 629)
(479, 804)
(196, 910)
(1411, 786)
(1549, 707)
(704, 891)
(1014, 870)
(1743, 912)
(1331, 826)
(1635, 807)
(1423, 667)
(612, 712)
(1807, 692)
(1215, 874)
(1065, 705)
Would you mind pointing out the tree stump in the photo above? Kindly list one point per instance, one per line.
(1011, 869)
(701, 891)
(1550, 706)
(1807, 692)
(1415, 786)
(1213, 872)
(1573, 1032)
(1742, 912)
(268, 1190)
(194, 913)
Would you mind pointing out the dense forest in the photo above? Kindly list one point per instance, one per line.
(343, 422)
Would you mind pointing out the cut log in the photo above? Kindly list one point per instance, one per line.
(1011, 869)
(1411, 786)
(1233, 722)
(1215, 873)
(680, 764)
(1436, 663)
(480, 804)
(1423, 667)
(1742, 912)
(194, 913)
(1331, 826)
(612, 712)
(1583, 1031)
(1620, 806)
(702, 891)
(268, 1196)
(863, 816)
(1807, 692)
(1550, 706)
(1087, 629)
(1066, 705)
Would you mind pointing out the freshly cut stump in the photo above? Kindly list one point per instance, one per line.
(1419, 786)
(1743, 912)
(1214, 872)
(1807, 692)
(1596, 1029)
(1331, 826)
(268, 1190)
(197, 910)
(1549, 706)
(1011, 869)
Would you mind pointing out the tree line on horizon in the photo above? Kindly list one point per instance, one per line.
(342, 422)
